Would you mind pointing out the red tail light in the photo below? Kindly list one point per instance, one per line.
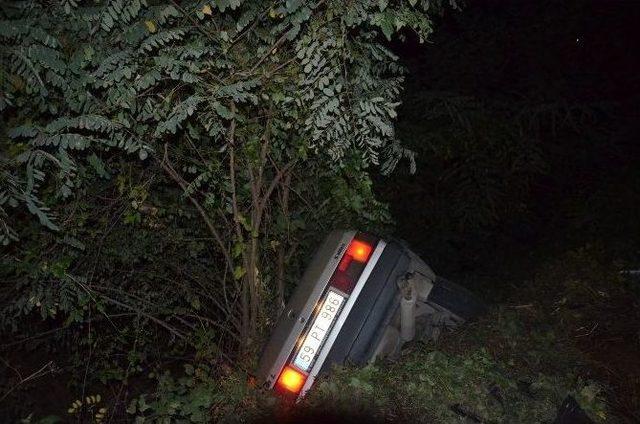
(351, 265)
(359, 250)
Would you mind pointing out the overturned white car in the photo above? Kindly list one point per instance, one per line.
(359, 299)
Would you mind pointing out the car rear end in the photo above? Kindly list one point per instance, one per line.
(358, 299)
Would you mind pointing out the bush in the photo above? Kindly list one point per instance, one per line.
(166, 169)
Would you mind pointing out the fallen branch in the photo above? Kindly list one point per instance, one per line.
(39, 373)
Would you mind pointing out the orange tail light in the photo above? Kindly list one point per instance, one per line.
(291, 380)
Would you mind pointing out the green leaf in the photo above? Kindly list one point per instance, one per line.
(245, 223)
(98, 166)
(41, 213)
(222, 111)
(239, 272)
(238, 248)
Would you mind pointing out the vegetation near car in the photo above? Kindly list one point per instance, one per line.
(164, 163)
(230, 109)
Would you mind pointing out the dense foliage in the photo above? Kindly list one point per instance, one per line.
(166, 166)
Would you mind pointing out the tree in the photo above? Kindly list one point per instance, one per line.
(232, 106)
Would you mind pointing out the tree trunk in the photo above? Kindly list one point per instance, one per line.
(254, 292)
(281, 259)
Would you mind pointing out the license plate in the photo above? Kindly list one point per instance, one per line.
(319, 330)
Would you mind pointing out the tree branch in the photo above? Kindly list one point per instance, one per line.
(168, 168)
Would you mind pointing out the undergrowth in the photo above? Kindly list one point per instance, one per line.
(517, 364)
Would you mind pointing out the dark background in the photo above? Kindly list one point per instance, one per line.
(525, 120)
(550, 91)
